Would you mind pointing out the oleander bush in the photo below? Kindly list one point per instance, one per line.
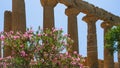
(49, 48)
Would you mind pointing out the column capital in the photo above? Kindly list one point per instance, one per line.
(49, 3)
(106, 25)
(72, 11)
(90, 19)
(7, 12)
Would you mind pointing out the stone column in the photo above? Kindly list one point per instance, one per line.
(108, 58)
(7, 21)
(73, 27)
(7, 28)
(92, 56)
(48, 14)
(18, 15)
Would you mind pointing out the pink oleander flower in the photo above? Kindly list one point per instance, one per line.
(26, 35)
(18, 33)
(75, 52)
(21, 46)
(81, 65)
(73, 62)
(23, 54)
(39, 35)
(4, 65)
(67, 35)
(30, 35)
(1, 58)
(54, 30)
(16, 37)
(2, 37)
(46, 35)
(78, 59)
(66, 53)
(11, 32)
(8, 57)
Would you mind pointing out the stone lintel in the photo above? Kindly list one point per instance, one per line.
(98, 12)
(48, 3)
(87, 8)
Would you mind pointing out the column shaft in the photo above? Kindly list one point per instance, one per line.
(18, 15)
(48, 17)
(7, 28)
(73, 31)
(92, 53)
(7, 21)
(73, 27)
(108, 58)
(48, 13)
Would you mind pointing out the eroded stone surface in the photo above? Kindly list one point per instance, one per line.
(18, 15)
(91, 41)
(87, 8)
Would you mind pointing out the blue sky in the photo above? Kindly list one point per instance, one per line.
(34, 16)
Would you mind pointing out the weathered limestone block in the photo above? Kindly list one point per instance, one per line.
(92, 56)
(48, 8)
(7, 28)
(73, 27)
(18, 15)
(108, 58)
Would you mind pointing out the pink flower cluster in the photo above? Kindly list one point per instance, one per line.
(45, 46)
(16, 37)
(23, 54)
(2, 37)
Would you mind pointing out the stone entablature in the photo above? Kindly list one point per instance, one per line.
(90, 9)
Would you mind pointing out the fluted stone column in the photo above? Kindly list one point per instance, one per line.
(48, 13)
(108, 58)
(73, 27)
(7, 28)
(92, 56)
(18, 15)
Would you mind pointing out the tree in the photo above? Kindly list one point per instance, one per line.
(112, 38)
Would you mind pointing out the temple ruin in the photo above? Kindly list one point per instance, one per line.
(16, 20)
